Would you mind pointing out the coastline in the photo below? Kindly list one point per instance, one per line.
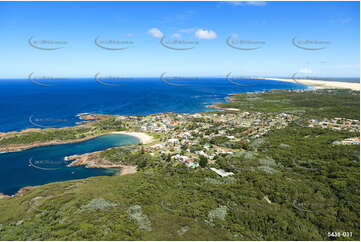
(142, 137)
(88, 160)
(91, 160)
(319, 84)
(19, 193)
(145, 138)
(4, 150)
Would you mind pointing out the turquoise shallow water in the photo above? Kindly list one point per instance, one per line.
(50, 165)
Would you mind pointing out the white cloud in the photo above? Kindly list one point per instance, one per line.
(155, 33)
(205, 34)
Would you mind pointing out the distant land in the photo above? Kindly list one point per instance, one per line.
(318, 83)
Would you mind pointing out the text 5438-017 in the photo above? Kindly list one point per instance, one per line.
(339, 234)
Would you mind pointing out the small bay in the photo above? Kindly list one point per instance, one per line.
(48, 164)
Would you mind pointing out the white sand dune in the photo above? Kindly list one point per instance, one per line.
(322, 84)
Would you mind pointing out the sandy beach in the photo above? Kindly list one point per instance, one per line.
(143, 137)
(318, 84)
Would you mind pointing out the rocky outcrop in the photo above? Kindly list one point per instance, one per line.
(3, 196)
(92, 160)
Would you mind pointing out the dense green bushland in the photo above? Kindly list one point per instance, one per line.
(317, 104)
(64, 134)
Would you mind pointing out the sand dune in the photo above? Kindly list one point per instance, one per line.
(321, 84)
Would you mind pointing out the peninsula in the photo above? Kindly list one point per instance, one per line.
(321, 84)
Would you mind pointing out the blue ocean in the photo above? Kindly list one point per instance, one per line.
(46, 164)
(24, 104)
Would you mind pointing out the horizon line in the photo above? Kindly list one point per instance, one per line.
(188, 76)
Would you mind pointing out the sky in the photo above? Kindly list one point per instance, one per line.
(146, 39)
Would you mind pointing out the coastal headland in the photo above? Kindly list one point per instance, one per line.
(320, 84)
(90, 128)
(93, 160)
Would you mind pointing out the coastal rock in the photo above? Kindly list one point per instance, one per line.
(92, 117)
(23, 190)
(4, 196)
(92, 160)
